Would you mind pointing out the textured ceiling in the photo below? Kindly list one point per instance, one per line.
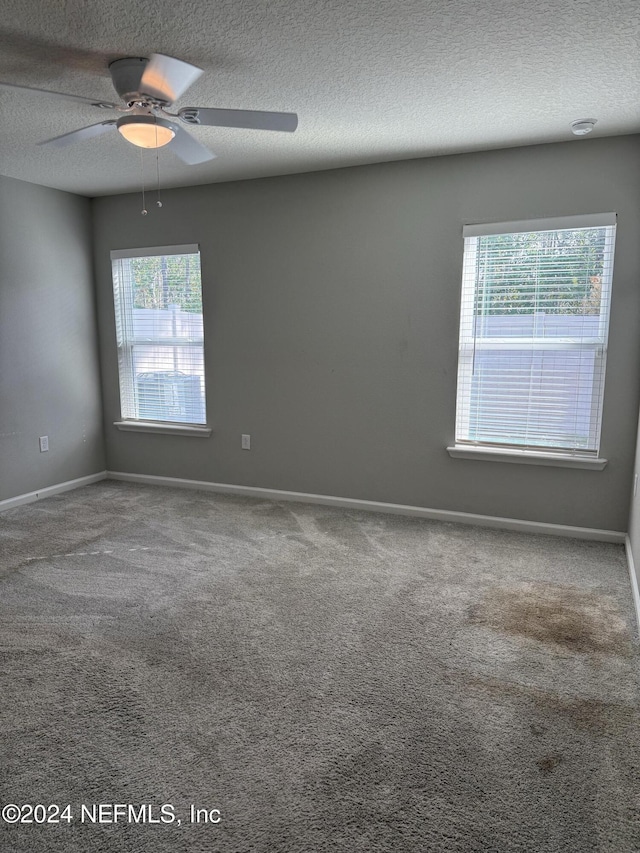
(371, 80)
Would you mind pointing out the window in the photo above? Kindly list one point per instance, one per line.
(160, 337)
(533, 335)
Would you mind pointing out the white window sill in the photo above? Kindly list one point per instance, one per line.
(164, 428)
(526, 457)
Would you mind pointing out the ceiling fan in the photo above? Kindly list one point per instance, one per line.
(147, 88)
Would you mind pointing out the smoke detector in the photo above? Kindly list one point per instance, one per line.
(583, 126)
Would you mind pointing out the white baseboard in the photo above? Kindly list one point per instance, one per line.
(633, 575)
(30, 497)
(376, 506)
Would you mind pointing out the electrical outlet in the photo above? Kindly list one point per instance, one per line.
(44, 443)
(246, 442)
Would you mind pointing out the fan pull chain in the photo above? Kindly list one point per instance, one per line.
(144, 209)
(158, 203)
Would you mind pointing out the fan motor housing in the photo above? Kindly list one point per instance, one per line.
(127, 74)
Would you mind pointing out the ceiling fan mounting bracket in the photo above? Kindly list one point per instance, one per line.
(126, 75)
(149, 105)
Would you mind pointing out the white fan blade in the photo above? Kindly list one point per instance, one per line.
(95, 102)
(167, 78)
(251, 119)
(188, 149)
(79, 135)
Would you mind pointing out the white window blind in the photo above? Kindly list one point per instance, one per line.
(160, 335)
(533, 334)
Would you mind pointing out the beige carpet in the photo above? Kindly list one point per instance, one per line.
(327, 680)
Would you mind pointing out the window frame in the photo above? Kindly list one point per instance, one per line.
(469, 344)
(125, 344)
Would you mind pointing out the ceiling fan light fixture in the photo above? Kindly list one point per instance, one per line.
(146, 131)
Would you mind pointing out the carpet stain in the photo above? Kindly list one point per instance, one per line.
(548, 763)
(595, 716)
(579, 621)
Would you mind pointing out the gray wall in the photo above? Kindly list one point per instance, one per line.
(331, 323)
(49, 376)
